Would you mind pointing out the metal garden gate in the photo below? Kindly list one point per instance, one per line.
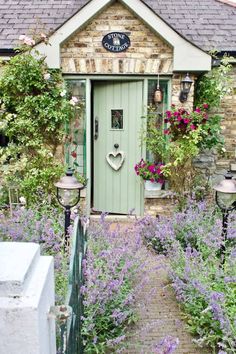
(69, 317)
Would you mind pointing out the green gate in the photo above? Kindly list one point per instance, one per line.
(69, 315)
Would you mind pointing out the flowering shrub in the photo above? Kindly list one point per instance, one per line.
(182, 123)
(150, 171)
(44, 226)
(205, 288)
(34, 108)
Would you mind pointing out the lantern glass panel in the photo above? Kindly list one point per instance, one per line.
(68, 197)
(225, 200)
(186, 86)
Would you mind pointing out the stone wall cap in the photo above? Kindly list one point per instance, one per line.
(17, 260)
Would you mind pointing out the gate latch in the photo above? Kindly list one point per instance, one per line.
(60, 313)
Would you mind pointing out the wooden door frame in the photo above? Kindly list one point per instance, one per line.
(89, 80)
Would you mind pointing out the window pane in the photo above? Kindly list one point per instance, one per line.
(156, 110)
(117, 119)
(76, 132)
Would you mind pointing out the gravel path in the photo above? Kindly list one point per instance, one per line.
(160, 315)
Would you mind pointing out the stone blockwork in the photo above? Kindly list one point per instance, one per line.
(176, 80)
(148, 53)
(159, 206)
(210, 164)
(228, 112)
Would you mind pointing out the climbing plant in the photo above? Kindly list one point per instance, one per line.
(212, 87)
(34, 108)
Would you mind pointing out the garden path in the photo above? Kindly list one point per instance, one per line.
(159, 313)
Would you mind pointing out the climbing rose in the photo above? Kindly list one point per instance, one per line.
(27, 40)
(73, 100)
(46, 76)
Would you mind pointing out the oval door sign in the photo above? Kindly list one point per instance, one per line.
(116, 42)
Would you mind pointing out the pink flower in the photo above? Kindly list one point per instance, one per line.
(43, 36)
(186, 120)
(46, 76)
(168, 114)
(74, 100)
(166, 131)
(22, 37)
(197, 110)
(63, 93)
(179, 118)
(152, 169)
(205, 105)
(192, 127)
(27, 40)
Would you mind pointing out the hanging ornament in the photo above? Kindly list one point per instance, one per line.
(157, 98)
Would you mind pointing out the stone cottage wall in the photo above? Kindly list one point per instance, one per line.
(228, 112)
(213, 165)
(148, 53)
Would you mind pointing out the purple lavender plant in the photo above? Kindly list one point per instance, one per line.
(192, 239)
(167, 345)
(115, 260)
(44, 226)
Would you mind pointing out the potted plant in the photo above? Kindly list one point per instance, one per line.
(151, 173)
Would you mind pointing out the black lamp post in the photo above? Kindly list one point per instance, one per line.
(185, 87)
(68, 195)
(226, 200)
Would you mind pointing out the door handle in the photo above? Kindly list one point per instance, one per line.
(96, 128)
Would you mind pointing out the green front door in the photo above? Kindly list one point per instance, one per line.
(118, 108)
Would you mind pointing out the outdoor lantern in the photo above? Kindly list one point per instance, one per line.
(68, 195)
(157, 97)
(226, 200)
(185, 86)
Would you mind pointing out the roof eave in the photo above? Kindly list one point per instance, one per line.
(187, 56)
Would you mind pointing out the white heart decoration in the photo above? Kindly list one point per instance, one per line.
(115, 167)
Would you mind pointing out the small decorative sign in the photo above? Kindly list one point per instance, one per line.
(116, 42)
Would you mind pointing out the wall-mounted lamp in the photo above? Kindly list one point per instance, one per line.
(185, 86)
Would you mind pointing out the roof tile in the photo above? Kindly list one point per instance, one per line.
(207, 23)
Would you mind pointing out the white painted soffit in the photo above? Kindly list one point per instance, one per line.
(187, 57)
